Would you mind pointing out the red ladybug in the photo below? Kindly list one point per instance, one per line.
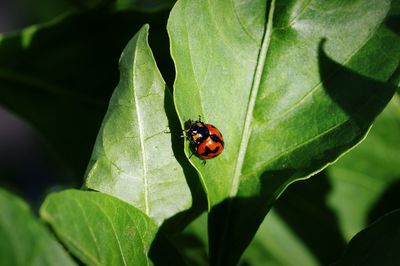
(206, 141)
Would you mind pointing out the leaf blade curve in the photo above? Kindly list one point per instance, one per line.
(111, 231)
(133, 158)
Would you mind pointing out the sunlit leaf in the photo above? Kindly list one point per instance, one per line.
(133, 157)
(292, 85)
(102, 230)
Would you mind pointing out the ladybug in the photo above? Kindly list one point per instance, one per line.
(205, 140)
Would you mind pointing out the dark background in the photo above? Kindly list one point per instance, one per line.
(28, 166)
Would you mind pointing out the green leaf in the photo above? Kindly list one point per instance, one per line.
(287, 102)
(59, 76)
(376, 245)
(363, 185)
(192, 242)
(25, 240)
(133, 157)
(304, 209)
(103, 230)
(368, 171)
(276, 244)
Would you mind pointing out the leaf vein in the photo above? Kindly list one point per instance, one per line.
(251, 103)
(245, 29)
(141, 133)
(88, 226)
(315, 87)
(145, 248)
(114, 232)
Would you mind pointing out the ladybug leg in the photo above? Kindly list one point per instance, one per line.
(203, 162)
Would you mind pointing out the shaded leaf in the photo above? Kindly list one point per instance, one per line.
(304, 209)
(193, 243)
(376, 245)
(103, 230)
(259, 72)
(276, 244)
(133, 157)
(324, 209)
(367, 172)
(24, 239)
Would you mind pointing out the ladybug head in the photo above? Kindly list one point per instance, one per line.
(188, 124)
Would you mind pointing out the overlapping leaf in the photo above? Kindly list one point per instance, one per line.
(24, 239)
(291, 86)
(376, 245)
(273, 243)
(102, 230)
(133, 157)
(368, 172)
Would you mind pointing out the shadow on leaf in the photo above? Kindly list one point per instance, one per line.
(199, 204)
(303, 206)
(389, 201)
(234, 222)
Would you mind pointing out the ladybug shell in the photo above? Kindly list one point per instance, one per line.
(212, 146)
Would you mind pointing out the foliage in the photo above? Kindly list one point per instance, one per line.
(293, 86)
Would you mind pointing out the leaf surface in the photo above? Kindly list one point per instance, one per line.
(376, 245)
(369, 171)
(25, 240)
(343, 199)
(276, 244)
(291, 85)
(102, 230)
(133, 157)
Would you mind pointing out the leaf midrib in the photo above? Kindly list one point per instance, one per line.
(140, 128)
(100, 207)
(249, 114)
(252, 100)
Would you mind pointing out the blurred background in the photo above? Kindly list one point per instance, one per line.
(59, 80)
(28, 166)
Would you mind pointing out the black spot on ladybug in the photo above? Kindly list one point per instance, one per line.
(216, 139)
(209, 151)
